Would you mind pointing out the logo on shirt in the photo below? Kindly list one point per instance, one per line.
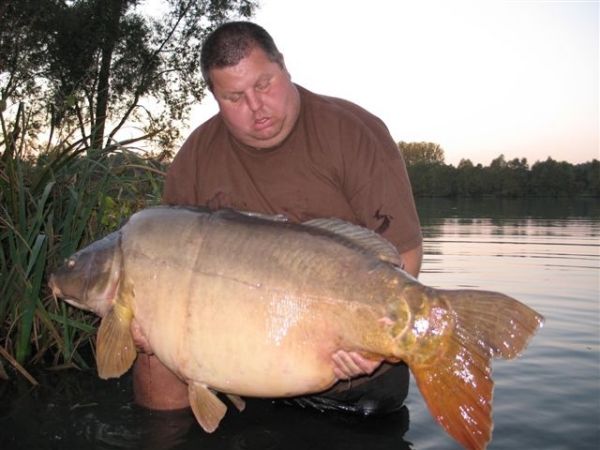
(385, 221)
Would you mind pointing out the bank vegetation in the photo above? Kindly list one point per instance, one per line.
(432, 177)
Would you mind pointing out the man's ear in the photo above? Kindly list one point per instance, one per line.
(283, 66)
(289, 75)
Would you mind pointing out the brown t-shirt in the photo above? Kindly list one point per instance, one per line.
(338, 161)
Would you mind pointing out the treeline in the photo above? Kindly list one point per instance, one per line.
(431, 177)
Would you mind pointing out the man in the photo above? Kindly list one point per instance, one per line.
(276, 148)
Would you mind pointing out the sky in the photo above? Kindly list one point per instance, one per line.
(480, 78)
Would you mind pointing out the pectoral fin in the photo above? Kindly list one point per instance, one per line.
(115, 349)
(207, 407)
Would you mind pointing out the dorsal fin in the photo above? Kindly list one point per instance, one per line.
(362, 237)
(229, 213)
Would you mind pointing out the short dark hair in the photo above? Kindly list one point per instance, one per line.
(227, 45)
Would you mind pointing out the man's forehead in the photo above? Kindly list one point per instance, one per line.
(251, 69)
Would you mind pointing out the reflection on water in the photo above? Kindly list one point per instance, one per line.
(544, 254)
(503, 209)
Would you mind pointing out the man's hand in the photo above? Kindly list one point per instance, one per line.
(139, 339)
(351, 364)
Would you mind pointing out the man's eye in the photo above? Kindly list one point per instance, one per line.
(262, 86)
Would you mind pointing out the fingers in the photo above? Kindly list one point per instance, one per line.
(351, 364)
(344, 367)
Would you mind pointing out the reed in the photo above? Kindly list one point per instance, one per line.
(52, 202)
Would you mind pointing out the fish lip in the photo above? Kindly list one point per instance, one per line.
(56, 292)
(76, 304)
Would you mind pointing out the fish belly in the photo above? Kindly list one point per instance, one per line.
(241, 339)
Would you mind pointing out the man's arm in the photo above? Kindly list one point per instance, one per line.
(412, 260)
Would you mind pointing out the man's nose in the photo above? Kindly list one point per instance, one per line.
(254, 101)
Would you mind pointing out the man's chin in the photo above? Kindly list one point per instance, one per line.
(264, 140)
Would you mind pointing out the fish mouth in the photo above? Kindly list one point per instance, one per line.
(56, 292)
(76, 304)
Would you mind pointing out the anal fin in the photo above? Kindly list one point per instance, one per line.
(207, 407)
(237, 401)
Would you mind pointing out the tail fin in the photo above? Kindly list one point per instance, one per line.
(458, 387)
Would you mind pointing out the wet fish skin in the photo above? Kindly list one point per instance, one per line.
(228, 301)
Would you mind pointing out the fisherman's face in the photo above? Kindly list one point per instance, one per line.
(257, 99)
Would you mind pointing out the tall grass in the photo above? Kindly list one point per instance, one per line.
(51, 203)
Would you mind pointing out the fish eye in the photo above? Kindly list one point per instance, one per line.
(70, 263)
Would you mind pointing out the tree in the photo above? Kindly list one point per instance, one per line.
(99, 64)
(551, 178)
(507, 178)
(421, 153)
(469, 179)
(502, 178)
(465, 164)
(587, 178)
(517, 178)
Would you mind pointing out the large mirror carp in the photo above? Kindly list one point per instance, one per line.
(251, 305)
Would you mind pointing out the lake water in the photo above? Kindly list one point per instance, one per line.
(545, 253)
